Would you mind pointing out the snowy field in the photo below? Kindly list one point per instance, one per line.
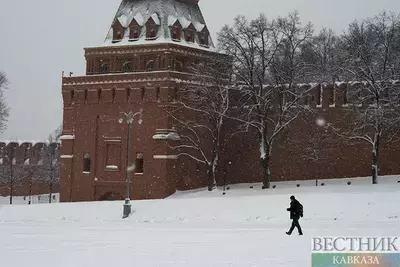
(245, 227)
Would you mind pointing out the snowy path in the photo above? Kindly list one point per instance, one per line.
(244, 228)
(76, 244)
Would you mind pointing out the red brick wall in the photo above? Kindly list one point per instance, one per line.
(92, 106)
(25, 185)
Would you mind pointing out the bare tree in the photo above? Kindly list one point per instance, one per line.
(11, 175)
(321, 56)
(268, 66)
(28, 174)
(200, 112)
(4, 109)
(371, 58)
(48, 167)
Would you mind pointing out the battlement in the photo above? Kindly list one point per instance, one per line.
(25, 152)
(325, 95)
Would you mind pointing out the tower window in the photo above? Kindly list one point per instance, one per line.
(134, 33)
(151, 32)
(139, 163)
(345, 97)
(127, 67)
(204, 39)
(331, 96)
(189, 36)
(104, 68)
(150, 66)
(86, 162)
(176, 33)
(118, 34)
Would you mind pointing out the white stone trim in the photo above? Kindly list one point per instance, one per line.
(165, 156)
(67, 137)
(67, 156)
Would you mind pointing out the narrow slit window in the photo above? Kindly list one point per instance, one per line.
(86, 162)
(345, 97)
(142, 93)
(139, 163)
(332, 97)
(158, 94)
(319, 96)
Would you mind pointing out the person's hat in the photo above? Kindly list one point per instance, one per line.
(292, 197)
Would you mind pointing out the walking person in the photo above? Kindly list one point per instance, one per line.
(296, 211)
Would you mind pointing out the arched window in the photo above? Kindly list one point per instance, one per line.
(86, 162)
(150, 65)
(104, 68)
(127, 67)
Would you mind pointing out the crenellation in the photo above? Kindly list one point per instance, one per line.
(106, 96)
(121, 95)
(79, 96)
(24, 156)
(93, 96)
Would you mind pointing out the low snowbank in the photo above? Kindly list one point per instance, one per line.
(241, 204)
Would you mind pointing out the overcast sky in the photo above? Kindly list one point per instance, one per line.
(39, 39)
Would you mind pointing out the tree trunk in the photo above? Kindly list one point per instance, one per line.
(375, 161)
(11, 184)
(211, 177)
(11, 192)
(51, 192)
(267, 172)
(30, 192)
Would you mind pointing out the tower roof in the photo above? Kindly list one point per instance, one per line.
(164, 13)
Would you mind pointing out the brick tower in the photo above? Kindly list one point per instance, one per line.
(140, 67)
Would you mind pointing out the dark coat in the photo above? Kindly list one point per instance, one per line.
(294, 209)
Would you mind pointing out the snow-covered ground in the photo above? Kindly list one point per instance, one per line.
(245, 227)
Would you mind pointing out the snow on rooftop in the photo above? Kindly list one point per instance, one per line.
(155, 18)
(184, 22)
(123, 20)
(20, 142)
(171, 20)
(167, 136)
(112, 167)
(199, 26)
(139, 19)
(164, 13)
(67, 137)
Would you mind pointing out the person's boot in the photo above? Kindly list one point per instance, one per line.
(288, 233)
